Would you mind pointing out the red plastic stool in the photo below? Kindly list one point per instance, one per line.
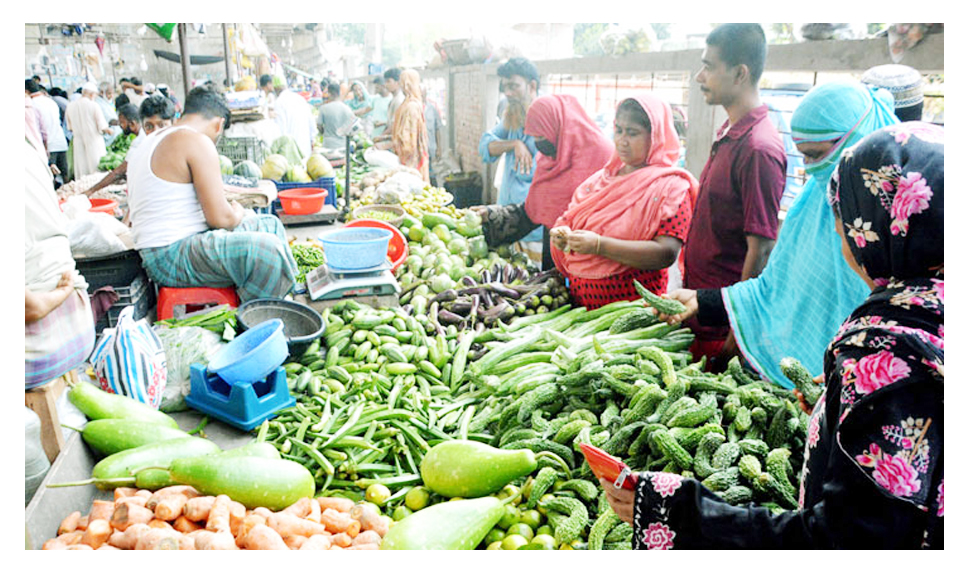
(194, 297)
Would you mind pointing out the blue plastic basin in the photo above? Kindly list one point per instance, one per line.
(356, 248)
(252, 355)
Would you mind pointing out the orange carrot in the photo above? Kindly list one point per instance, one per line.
(69, 524)
(208, 540)
(64, 540)
(219, 519)
(106, 546)
(261, 537)
(127, 539)
(161, 494)
(236, 514)
(170, 507)
(335, 522)
(263, 512)
(138, 500)
(158, 539)
(97, 533)
(128, 514)
(100, 510)
(182, 524)
(363, 547)
(342, 540)
(158, 523)
(340, 504)
(367, 537)
(299, 508)
(246, 525)
(287, 525)
(315, 512)
(121, 492)
(295, 541)
(79, 547)
(199, 508)
(143, 493)
(186, 542)
(317, 542)
(82, 522)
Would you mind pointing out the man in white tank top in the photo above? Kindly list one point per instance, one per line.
(187, 232)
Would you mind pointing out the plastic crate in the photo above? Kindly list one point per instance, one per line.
(242, 148)
(140, 294)
(326, 183)
(118, 270)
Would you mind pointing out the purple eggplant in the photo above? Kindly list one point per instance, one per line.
(445, 296)
(460, 307)
(468, 281)
(449, 318)
(485, 300)
(485, 276)
(503, 291)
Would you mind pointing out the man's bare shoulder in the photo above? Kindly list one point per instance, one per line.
(185, 142)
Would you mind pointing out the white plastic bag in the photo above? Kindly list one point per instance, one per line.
(130, 360)
(96, 234)
(380, 158)
(184, 346)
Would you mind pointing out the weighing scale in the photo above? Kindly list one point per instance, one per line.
(326, 283)
(245, 405)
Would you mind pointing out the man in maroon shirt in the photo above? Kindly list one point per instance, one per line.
(735, 221)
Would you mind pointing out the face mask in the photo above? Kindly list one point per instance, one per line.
(546, 148)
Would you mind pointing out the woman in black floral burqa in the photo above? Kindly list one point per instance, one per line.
(873, 469)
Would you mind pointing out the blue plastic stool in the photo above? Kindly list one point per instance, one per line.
(243, 405)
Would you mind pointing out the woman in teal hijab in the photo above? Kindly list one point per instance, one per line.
(806, 290)
(360, 102)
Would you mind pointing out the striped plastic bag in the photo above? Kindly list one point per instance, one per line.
(129, 360)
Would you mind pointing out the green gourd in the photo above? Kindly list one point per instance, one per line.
(250, 480)
(97, 404)
(470, 469)
(451, 525)
(109, 436)
(156, 478)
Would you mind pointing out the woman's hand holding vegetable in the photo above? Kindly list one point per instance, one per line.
(583, 241)
(621, 500)
(688, 298)
(820, 379)
(558, 237)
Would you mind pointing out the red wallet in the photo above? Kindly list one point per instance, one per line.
(606, 466)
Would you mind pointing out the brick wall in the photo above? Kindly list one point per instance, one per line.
(469, 89)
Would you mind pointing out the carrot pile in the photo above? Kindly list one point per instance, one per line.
(180, 518)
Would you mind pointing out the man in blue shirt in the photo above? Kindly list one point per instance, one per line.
(519, 83)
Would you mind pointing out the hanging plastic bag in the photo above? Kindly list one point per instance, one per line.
(129, 360)
(184, 346)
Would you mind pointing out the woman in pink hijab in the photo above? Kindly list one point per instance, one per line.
(571, 148)
(628, 221)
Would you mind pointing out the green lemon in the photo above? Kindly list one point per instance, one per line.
(514, 541)
(531, 517)
(545, 540)
(417, 498)
(522, 529)
(378, 494)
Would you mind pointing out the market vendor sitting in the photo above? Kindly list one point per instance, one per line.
(186, 231)
(628, 221)
(156, 113)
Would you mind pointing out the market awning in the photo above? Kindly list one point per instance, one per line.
(193, 59)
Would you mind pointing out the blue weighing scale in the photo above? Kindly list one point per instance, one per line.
(243, 405)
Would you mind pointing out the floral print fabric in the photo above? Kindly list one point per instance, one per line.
(873, 468)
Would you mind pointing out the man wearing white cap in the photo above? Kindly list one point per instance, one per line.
(905, 84)
(86, 121)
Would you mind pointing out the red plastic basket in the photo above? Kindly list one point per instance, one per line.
(103, 205)
(302, 201)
